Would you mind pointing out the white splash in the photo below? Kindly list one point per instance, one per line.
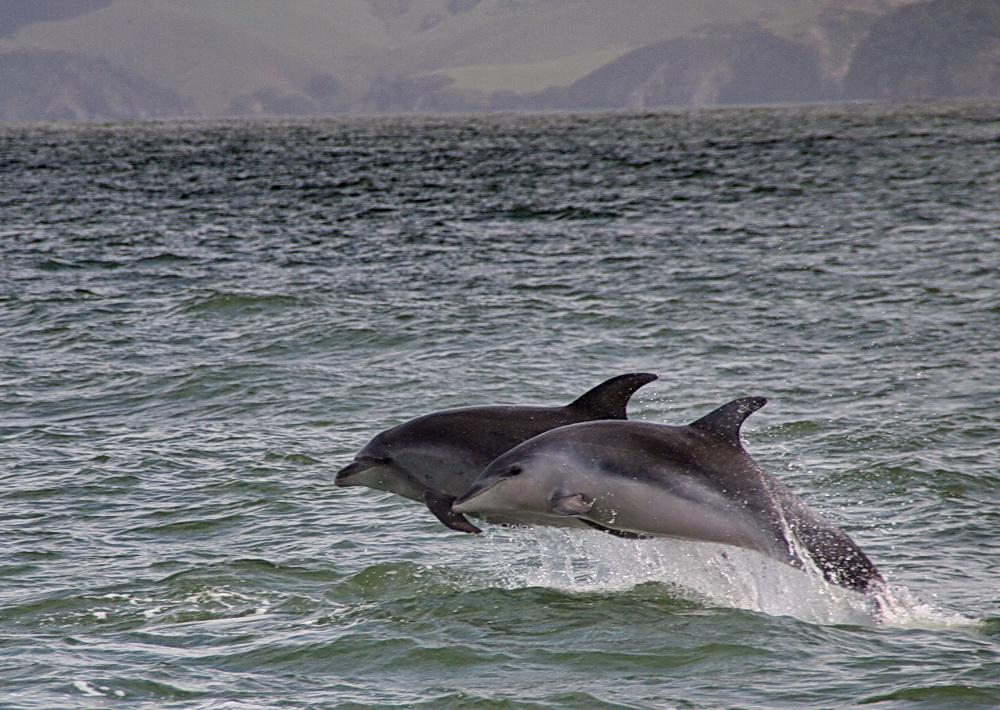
(715, 575)
(87, 689)
(901, 609)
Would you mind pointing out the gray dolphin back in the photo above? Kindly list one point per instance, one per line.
(693, 482)
(840, 560)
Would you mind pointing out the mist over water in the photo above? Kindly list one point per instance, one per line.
(202, 322)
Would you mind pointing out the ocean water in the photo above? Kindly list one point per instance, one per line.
(201, 322)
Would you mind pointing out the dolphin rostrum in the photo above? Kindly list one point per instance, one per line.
(436, 457)
(694, 482)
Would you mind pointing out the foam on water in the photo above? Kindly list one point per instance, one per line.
(87, 689)
(581, 561)
(902, 609)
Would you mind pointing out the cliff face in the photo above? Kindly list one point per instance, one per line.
(121, 59)
(939, 49)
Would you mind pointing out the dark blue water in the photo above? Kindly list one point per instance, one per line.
(201, 322)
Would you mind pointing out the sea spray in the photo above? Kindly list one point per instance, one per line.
(582, 561)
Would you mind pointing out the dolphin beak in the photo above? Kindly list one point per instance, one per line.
(351, 469)
(466, 502)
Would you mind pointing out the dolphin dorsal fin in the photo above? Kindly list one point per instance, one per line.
(608, 399)
(727, 419)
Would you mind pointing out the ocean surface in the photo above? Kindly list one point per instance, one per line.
(201, 322)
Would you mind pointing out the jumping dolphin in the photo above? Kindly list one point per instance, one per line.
(436, 457)
(694, 482)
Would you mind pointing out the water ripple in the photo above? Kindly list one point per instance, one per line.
(203, 322)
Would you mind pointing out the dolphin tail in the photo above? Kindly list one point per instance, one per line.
(608, 399)
(838, 557)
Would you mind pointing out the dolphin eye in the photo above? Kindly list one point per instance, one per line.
(513, 471)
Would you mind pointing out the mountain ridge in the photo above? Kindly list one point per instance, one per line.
(208, 58)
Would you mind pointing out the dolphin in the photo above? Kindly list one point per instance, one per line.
(436, 457)
(693, 482)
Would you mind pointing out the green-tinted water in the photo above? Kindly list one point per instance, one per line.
(199, 323)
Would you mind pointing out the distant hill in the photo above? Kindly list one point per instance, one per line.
(52, 85)
(15, 14)
(939, 49)
(112, 59)
(720, 65)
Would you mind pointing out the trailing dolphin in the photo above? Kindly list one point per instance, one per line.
(436, 457)
(694, 482)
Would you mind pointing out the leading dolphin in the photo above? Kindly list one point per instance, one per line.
(436, 457)
(694, 482)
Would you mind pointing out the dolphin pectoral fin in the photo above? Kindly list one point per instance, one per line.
(608, 399)
(726, 421)
(570, 504)
(440, 505)
(624, 534)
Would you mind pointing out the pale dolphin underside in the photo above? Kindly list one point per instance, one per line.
(694, 482)
(436, 457)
